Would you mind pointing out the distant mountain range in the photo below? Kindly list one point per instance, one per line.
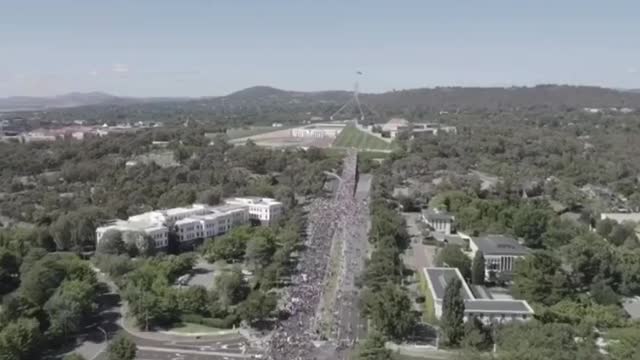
(75, 99)
(423, 98)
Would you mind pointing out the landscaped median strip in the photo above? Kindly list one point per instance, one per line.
(195, 352)
(429, 315)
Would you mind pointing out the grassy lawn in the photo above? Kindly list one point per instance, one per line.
(352, 137)
(435, 356)
(237, 133)
(429, 314)
(186, 328)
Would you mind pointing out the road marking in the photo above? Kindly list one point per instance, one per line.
(193, 352)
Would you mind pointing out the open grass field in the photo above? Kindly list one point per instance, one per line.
(187, 328)
(353, 137)
(237, 133)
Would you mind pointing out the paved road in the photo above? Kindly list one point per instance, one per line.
(419, 255)
(162, 346)
(229, 347)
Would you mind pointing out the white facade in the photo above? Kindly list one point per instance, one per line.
(500, 254)
(621, 217)
(262, 209)
(158, 232)
(439, 221)
(486, 310)
(197, 221)
(318, 131)
(189, 229)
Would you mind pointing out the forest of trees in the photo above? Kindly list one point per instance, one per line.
(53, 195)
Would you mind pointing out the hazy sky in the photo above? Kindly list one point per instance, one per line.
(212, 47)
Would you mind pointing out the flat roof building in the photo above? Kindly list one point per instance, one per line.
(500, 255)
(486, 310)
(263, 210)
(439, 221)
(621, 217)
(198, 221)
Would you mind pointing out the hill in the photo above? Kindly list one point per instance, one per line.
(447, 98)
(551, 96)
(264, 105)
(75, 99)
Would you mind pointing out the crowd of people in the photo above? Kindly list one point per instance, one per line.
(294, 337)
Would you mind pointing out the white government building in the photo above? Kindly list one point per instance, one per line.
(500, 254)
(198, 221)
(487, 309)
(318, 131)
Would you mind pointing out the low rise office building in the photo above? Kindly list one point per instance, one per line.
(439, 221)
(486, 310)
(263, 210)
(500, 255)
(195, 223)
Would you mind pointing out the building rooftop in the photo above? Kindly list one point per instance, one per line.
(621, 217)
(134, 225)
(182, 210)
(188, 220)
(440, 277)
(499, 245)
(435, 214)
(254, 200)
(491, 305)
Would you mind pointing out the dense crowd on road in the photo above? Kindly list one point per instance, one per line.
(327, 218)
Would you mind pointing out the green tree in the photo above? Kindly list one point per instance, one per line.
(537, 341)
(605, 226)
(476, 335)
(211, 197)
(373, 348)
(452, 313)
(590, 258)
(451, 255)
(477, 269)
(231, 287)
(388, 311)
(41, 281)
(122, 348)
(530, 223)
(230, 247)
(8, 271)
(74, 356)
(69, 307)
(111, 243)
(538, 278)
(20, 340)
(144, 245)
(258, 306)
(260, 250)
(621, 233)
(29, 260)
(193, 300)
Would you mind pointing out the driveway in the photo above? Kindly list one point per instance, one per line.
(418, 255)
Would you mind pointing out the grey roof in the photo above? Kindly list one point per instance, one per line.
(492, 305)
(440, 277)
(437, 215)
(481, 292)
(499, 245)
(632, 307)
(451, 239)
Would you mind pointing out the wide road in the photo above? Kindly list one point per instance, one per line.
(229, 347)
(153, 345)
